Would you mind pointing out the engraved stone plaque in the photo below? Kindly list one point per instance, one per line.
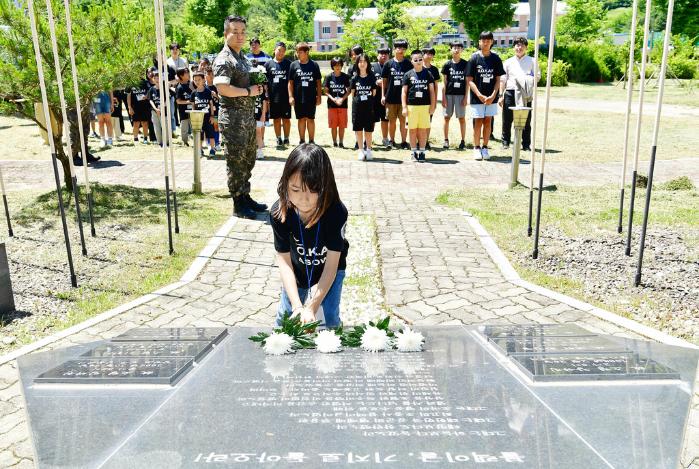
(534, 329)
(610, 366)
(117, 370)
(556, 344)
(172, 349)
(212, 334)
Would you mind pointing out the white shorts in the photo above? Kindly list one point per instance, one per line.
(479, 111)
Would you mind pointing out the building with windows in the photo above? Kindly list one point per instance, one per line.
(328, 27)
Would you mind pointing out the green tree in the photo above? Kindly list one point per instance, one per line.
(114, 43)
(582, 21)
(198, 38)
(419, 31)
(345, 9)
(290, 20)
(481, 15)
(213, 13)
(389, 24)
(685, 18)
(359, 32)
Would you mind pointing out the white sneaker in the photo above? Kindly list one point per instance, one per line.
(446, 144)
(260, 155)
(103, 144)
(360, 155)
(485, 154)
(369, 154)
(218, 148)
(386, 142)
(109, 142)
(477, 155)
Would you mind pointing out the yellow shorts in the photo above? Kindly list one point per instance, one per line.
(418, 117)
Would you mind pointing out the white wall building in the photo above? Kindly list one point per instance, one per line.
(328, 27)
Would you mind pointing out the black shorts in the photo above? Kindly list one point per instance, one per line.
(305, 110)
(280, 110)
(208, 128)
(363, 118)
(141, 114)
(379, 111)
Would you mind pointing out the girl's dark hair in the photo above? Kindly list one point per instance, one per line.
(363, 57)
(313, 165)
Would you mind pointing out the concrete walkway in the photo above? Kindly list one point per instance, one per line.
(435, 264)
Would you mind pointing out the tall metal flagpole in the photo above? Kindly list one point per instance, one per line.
(49, 131)
(64, 113)
(549, 67)
(78, 112)
(629, 96)
(163, 43)
(532, 162)
(642, 87)
(7, 207)
(164, 118)
(656, 127)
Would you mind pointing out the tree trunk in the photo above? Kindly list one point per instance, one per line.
(75, 131)
(63, 159)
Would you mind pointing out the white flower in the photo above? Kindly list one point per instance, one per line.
(409, 340)
(374, 339)
(327, 342)
(278, 344)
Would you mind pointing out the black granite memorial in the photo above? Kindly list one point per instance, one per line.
(209, 334)
(195, 349)
(566, 352)
(7, 301)
(458, 404)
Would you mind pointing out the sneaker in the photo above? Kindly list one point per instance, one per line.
(527, 148)
(94, 135)
(145, 142)
(212, 152)
(405, 146)
(505, 145)
(109, 142)
(416, 157)
(360, 155)
(279, 141)
(335, 144)
(302, 141)
(356, 146)
(103, 144)
(445, 145)
(268, 123)
(369, 155)
(477, 155)
(386, 142)
(428, 146)
(286, 141)
(92, 158)
(421, 156)
(484, 153)
(312, 142)
(389, 144)
(218, 148)
(77, 161)
(342, 145)
(462, 145)
(260, 155)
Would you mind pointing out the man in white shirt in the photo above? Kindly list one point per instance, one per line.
(517, 68)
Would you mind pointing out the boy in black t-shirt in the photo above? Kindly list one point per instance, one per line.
(202, 100)
(454, 92)
(427, 56)
(304, 91)
(392, 75)
(336, 88)
(277, 88)
(483, 77)
(419, 101)
(183, 97)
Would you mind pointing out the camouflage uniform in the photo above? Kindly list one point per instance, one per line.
(236, 120)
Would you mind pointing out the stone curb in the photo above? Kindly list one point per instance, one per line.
(200, 261)
(511, 275)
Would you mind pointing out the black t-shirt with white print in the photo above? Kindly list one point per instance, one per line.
(201, 100)
(304, 77)
(455, 77)
(377, 70)
(184, 92)
(337, 87)
(154, 95)
(330, 235)
(394, 71)
(484, 70)
(278, 80)
(363, 87)
(139, 96)
(418, 87)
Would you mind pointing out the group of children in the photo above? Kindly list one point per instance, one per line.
(399, 93)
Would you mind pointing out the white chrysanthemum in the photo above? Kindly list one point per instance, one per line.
(278, 344)
(327, 342)
(374, 339)
(326, 364)
(409, 340)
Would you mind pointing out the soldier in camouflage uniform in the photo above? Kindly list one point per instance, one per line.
(236, 116)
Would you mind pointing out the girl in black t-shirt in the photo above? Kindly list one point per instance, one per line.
(363, 91)
(308, 222)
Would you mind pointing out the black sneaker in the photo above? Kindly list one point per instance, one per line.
(301, 142)
(421, 156)
(389, 145)
(280, 142)
(77, 161)
(286, 141)
(257, 207)
(405, 146)
(335, 144)
(341, 145)
(92, 158)
(505, 145)
(356, 146)
(416, 156)
(462, 145)
(242, 210)
(428, 146)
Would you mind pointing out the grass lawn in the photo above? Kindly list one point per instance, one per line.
(128, 258)
(686, 94)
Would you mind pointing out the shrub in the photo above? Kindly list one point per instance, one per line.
(584, 65)
(559, 75)
(614, 58)
(682, 183)
(683, 67)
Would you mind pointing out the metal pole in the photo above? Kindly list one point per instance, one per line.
(164, 120)
(514, 170)
(169, 134)
(549, 67)
(537, 26)
(656, 128)
(627, 119)
(78, 112)
(196, 187)
(642, 87)
(49, 131)
(64, 113)
(7, 207)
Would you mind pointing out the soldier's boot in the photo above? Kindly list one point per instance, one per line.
(241, 209)
(257, 207)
